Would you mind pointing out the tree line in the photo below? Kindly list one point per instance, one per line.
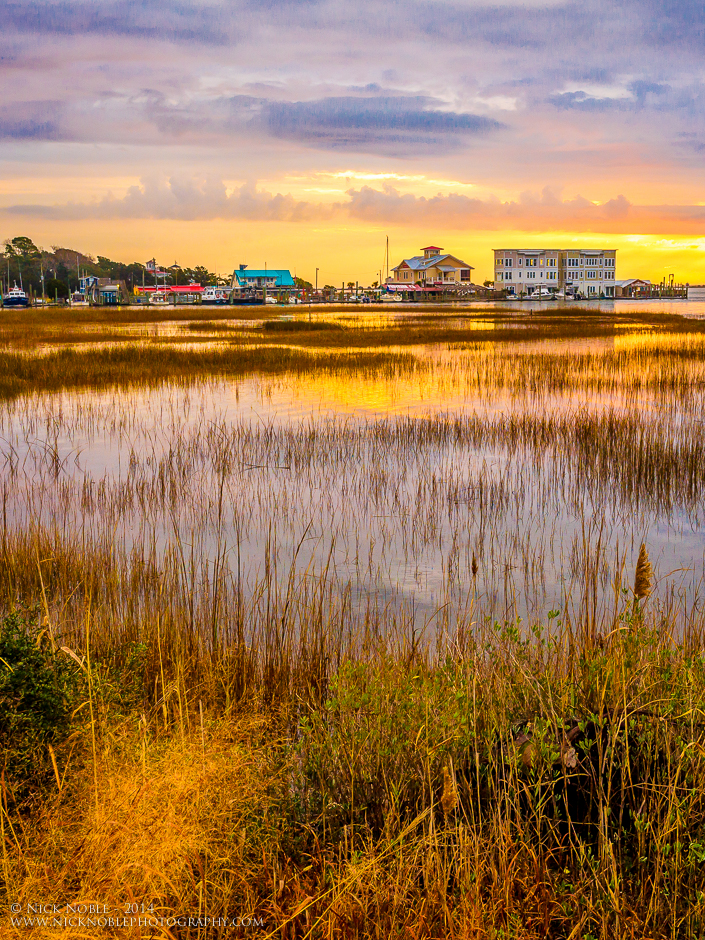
(57, 271)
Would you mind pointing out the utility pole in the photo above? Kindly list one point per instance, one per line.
(316, 280)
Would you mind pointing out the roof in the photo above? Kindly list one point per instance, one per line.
(282, 275)
(631, 280)
(419, 263)
(431, 248)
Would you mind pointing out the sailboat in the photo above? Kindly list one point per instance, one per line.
(388, 294)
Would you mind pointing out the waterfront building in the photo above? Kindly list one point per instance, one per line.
(633, 287)
(257, 279)
(582, 272)
(432, 269)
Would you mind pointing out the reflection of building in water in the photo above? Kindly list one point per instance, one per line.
(580, 272)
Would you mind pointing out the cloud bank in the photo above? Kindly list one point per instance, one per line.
(190, 200)
(541, 96)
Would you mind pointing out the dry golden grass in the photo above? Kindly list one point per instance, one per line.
(159, 820)
(482, 779)
(362, 326)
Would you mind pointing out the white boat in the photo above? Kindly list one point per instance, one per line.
(15, 297)
(159, 297)
(390, 296)
(542, 293)
(215, 295)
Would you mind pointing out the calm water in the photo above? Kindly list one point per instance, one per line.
(318, 472)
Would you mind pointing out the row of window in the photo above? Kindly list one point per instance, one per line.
(553, 275)
(553, 262)
(590, 262)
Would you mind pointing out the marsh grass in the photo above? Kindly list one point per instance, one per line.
(372, 326)
(300, 326)
(138, 364)
(499, 785)
(652, 362)
(264, 727)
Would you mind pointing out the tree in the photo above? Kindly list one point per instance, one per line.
(24, 258)
(22, 248)
(350, 285)
(200, 275)
(56, 288)
(301, 284)
(62, 274)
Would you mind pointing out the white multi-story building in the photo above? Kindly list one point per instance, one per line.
(583, 272)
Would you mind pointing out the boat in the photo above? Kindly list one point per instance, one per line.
(15, 298)
(542, 293)
(245, 297)
(388, 296)
(159, 297)
(215, 295)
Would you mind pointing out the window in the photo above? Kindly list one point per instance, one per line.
(465, 274)
(508, 262)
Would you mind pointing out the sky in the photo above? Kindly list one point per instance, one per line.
(302, 133)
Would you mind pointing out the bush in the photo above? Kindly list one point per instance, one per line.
(39, 687)
(55, 288)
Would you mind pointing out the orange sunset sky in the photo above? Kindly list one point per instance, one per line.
(301, 133)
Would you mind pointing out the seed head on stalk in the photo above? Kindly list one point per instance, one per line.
(642, 578)
(449, 799)
(644, 574)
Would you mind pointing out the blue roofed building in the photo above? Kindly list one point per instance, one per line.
(257, 278)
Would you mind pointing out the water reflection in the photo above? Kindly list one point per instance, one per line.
(384, 482)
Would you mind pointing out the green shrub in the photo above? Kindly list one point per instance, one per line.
(39, 687)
